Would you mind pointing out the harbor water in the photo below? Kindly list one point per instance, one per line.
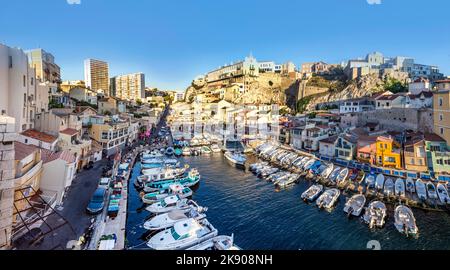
(262, 218)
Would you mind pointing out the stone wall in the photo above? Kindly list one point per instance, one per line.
(7, 138)
(399, 119)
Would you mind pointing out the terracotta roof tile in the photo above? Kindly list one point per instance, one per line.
(69, 131)
(41, 136)
(23, 150)
(48, 156)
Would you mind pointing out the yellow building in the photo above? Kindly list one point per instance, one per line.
(66, 86)
(441, 110)
(112, 136)
(388, 153)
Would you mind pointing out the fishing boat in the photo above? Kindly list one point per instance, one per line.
(167, 220)
(182, 235)
(170, 151)
(410, 186)
(431, 191)
(192, 179)
(151, 155)
(215, 148)
(375, 214)
(327, 171)
(370, 180)
(342, 176)
(328, 199)
(379, 181)
(442, 193)
(400, 187)
(309, 164)
(175, 189)
(421, 189)
(236, 159)
(160, 173)
(405, 222)
(206, 150)
(278, 176)
(268, 171)
(168, 204)
(389, 187)
(312, 193)
(334, 174)
(355, 205)
(186, 151)
(221, 242)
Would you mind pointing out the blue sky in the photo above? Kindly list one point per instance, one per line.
(172, 41)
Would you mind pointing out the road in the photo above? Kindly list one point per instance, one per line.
(73, 210)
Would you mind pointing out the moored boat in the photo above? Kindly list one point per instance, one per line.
(328, 199)
(405, 222)
(379, 181)
(410, 186)
(221, 242)
(342, 176)
(431, 190)
(168, 204)
(421, 189)
(375, 214)
(400, 187)
(167, 220)
(355, 205)
(236, 159)
(389, 187)
(175, 189)
(442, 193)
(312, 193)
(182, 235)
(370, 180)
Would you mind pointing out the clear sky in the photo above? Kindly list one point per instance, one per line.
(172, 41)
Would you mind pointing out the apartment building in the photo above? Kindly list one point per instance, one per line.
(96, 75)
(111, 135)
(128, 87)
(44, 64)
(441, 110)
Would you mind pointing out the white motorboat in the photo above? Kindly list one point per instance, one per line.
(182, 235)
(287, 181)
(410, 186)
(370, 180)
(379, 181)
(312, 193)
(328, 199)
(236, 159)
(431, 191)
(151, 155)
(268, 171)
(389, 187)
(328, 170)
(278, 176)
(167, 220)
(161, 173)
(421, 189)
(221, 242)
(215, 148)
(334, 174)
(442, 193)
(375, 214)
(405, 222)
(168, 204)
(342, 176)
(186, 151)
(175, 189)
(400, 187)
(158, 160)
(355, 205)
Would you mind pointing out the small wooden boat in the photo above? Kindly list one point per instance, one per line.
(431, 191)
(410, 186)
(375, 214)
(342, 176)
(421, 189)
(334, 174)
(442, 192)
(361, 176)
(312, 193)
(405, 221)
(379, 181)
(328, 170)
(389, 187)
(355, 205)
(400, 187)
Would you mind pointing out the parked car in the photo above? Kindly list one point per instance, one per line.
(104, 182)
(97, 202)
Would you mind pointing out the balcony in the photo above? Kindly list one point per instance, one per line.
(29, 175)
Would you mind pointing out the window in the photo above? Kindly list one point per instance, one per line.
(439, 161)
(441, 130)
(10, 62)
(441, 117)
(24, 81)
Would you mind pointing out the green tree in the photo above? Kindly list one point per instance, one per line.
(395, 86)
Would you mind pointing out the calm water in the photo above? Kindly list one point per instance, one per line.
(261, 218)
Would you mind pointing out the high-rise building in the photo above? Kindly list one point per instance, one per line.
(96, 75)
(44, 64)
(129, 87)
(18, 87)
